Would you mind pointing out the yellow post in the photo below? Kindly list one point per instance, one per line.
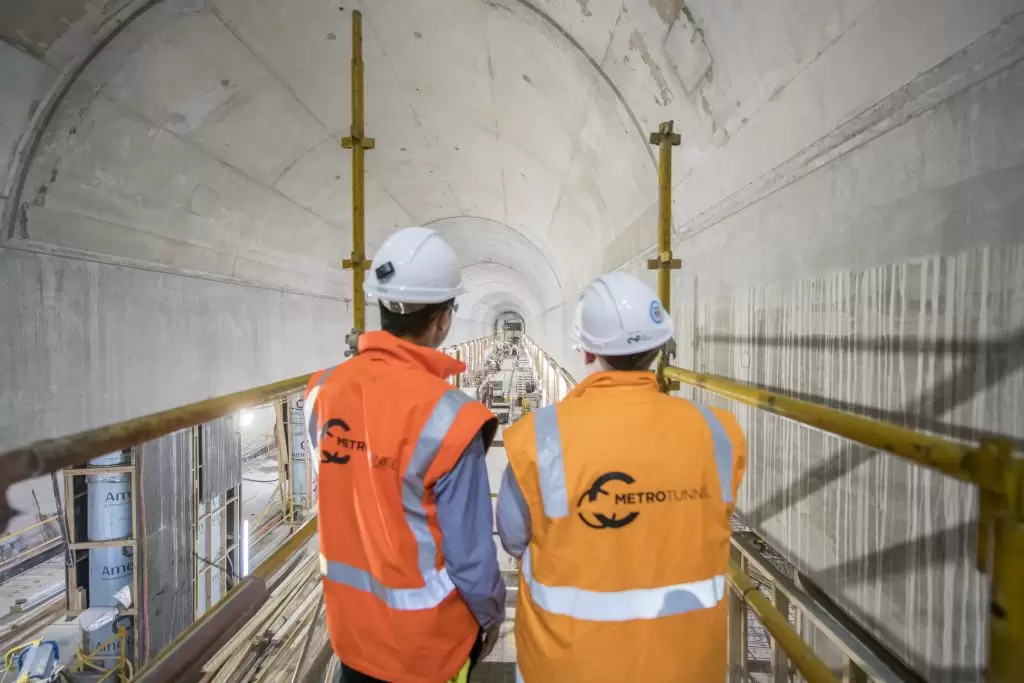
(1003, 517)
(358, 144)
(665, 139)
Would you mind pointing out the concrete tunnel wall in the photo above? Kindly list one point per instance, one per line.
(849, 169)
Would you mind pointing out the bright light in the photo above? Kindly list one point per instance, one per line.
(246, 418)
(245, 547)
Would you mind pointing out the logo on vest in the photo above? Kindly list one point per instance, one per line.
(598, 519)
(333, 443)
(614, 512)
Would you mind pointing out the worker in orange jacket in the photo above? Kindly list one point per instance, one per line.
(617, 500)
(412, 588)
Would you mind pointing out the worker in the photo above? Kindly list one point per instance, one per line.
(412, 588)
(617, 500)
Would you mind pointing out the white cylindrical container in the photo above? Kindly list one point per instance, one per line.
(109, 503)
(299, 456)
(109, 499)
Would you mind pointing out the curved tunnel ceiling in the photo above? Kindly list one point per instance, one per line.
(205, 137)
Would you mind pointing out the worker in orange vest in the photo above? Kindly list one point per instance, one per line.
(617, 500)
(412, 588)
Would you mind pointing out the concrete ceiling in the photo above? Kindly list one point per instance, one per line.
(205, 137)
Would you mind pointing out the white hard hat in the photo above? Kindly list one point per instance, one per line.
(414, 266)
(618, 315)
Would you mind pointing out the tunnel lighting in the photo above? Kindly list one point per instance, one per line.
(245, 547)
(246, 418)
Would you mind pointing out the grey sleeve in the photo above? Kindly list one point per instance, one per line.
(464, 514)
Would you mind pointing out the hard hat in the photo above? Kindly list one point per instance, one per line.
(618, 315)
(414, 266)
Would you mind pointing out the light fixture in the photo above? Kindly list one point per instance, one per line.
(245, 547)
(246, 418)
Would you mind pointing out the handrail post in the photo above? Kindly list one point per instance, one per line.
(358, 144)
(1002, 520)
(665, 139)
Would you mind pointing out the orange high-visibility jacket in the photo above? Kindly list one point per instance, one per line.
(629, 492)
(388, 427)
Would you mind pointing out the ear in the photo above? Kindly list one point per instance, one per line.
(442, 318)
(588, 358)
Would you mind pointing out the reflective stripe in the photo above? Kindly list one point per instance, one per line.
(323, 377)
(550, 463)
(638, 603)
(723, 450)
(312, 428)
(427, 446)
(437, 586)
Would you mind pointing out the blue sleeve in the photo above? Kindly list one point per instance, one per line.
(463, 498)
(513, 516)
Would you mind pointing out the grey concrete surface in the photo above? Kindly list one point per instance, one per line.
(846, 205)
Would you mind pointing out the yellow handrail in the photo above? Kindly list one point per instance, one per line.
(799, 652)
(22, 531)
(991, 466)
(52, 455)
(810, 666)
(968, 463)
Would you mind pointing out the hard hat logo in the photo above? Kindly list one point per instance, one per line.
(657, 313)
(619, 315)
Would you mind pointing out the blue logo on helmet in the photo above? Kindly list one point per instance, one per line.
(656, 315)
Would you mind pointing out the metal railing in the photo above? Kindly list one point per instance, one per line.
(743, 594)
(12, 563)
(991, 465)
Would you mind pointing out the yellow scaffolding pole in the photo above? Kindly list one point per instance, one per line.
(358, 143)
(665, 139)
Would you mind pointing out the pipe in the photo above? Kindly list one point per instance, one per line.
(800, 654)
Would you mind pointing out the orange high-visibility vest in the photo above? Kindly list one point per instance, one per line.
(629, 492)
(389, 426)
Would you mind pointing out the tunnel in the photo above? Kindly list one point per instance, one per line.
(846, 207)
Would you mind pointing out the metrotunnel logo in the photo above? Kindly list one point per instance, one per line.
(335, 447)
(599, 520)
(601, 508)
